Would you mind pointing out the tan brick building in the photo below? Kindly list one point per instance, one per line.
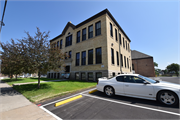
(98, 47)
(142, 64)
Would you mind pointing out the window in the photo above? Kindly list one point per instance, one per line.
(78, 37)
(83, 62)
(120, 78)
(69, 40)
(66, 55)
(133, 79)
(98, 28)
(77, 59)
(83, 76)
(117, 55)
(111, 30)
(112, 56)
(98, 75)
(125, 61)
(57, 44)
(132, 66)
(119, 38)
(77, 76)
(123, 43)
(90, 76)
(116, 34)
(90, 35)
(113, 74)
(84, 34)
(126, 45)
(69, 54)
(61, 44)
(121, 60)
(98, 55)
(90, 57)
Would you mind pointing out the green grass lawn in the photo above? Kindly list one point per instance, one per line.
(52, 89)
(24, 80)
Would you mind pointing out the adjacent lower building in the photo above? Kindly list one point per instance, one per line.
(142, 64)
(97, 47)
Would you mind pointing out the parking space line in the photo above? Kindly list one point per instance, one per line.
(67, 97)
(58, 118)
(132, 105)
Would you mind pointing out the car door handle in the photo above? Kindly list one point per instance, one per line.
(127, 85)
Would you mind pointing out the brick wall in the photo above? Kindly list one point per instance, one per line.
(144, 67)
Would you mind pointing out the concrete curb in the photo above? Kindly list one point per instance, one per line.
(67, 100)
(92, 91)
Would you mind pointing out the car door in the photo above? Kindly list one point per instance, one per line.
(118, 86)
(134, 86)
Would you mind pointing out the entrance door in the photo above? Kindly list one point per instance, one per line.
(67, 69)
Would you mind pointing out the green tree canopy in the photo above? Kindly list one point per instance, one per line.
(155, 64)
(32, 54)
(173, 67)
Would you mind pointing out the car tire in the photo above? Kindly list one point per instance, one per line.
(168, 98)
(109, 91)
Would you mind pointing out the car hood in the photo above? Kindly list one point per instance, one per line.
(168, 84)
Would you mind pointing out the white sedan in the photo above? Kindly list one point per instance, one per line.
(135, 85)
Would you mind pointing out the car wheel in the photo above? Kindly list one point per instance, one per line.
(168, 98)
(109, 91)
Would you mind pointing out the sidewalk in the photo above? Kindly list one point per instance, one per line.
(14, 106)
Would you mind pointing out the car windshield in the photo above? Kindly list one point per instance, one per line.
(148, 79)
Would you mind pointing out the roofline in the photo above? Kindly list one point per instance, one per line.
(141, 58)
(106, 11)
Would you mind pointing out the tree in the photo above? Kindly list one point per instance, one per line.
(155, 64)
(38, 56)
(173, 67)
(11, 61)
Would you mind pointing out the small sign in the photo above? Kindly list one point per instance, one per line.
(102, 66)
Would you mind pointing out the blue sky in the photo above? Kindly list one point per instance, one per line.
(152, 25)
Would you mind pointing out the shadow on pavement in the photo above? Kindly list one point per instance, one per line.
(131, 100)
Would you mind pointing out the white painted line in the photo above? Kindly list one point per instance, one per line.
(67, 97)
(133, 105)
(58, 118)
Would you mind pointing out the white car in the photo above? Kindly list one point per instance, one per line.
(135, 85)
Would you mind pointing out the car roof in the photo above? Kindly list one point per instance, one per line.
(128, 74)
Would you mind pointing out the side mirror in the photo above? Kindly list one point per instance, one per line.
(145, 82)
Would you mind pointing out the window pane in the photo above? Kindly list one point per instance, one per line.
(111, 30)
(120, 78)
(77, 76)
(112, 55)
(119, 38)
(98, 55)
(128, 79)
(77, 59)
(84, 34)
(90, 57)
(83, 58)
(121, 60)
(90, 76)
(69, 54)
(83, 76)
(98, 28)
(117, 55)
(125, 61)
(98, 75)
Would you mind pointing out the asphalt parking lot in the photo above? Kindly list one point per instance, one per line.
(98, 106)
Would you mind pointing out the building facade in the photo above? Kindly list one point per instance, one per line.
(97, 47)
(142, 64)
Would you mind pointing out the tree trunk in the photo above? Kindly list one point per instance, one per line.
(16, 76)
(39, 79)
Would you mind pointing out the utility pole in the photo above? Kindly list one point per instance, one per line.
(1, 22)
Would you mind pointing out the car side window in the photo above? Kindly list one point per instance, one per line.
(137, 79)
(120, 78)
(128, 79)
